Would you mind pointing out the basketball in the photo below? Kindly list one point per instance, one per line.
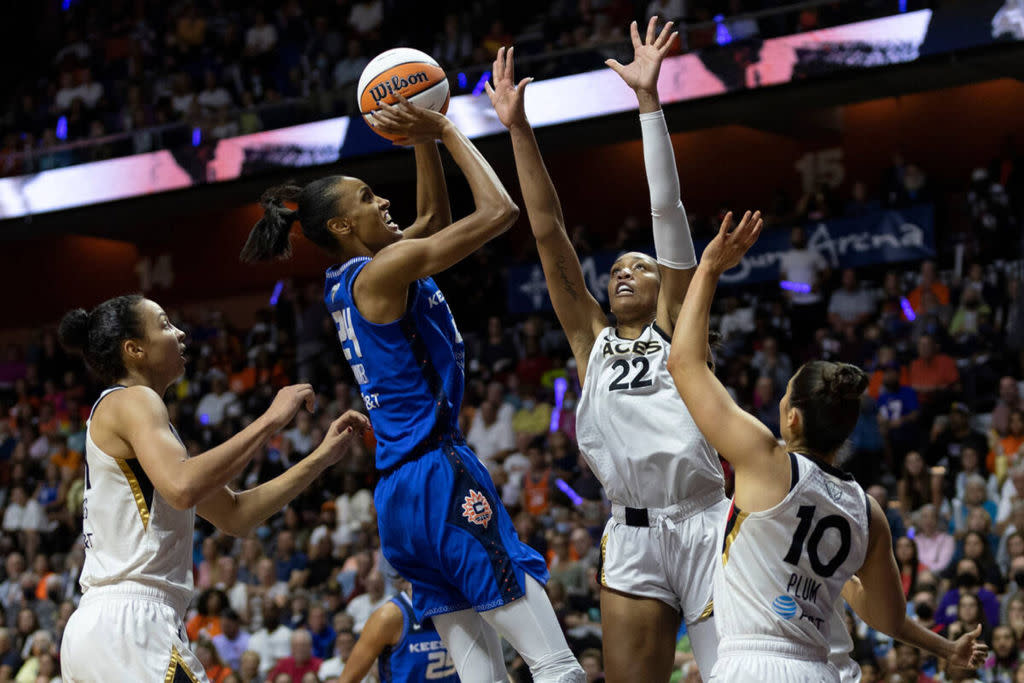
(413, 74)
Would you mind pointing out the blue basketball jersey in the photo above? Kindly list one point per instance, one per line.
(410, 371)
(419, 656)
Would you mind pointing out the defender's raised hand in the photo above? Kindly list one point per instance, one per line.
(507, 97)
(642, 73)
(730, 244)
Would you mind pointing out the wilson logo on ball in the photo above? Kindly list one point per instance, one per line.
(396, 84)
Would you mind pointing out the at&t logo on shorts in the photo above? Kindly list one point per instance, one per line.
(784, 606)
(476, 509)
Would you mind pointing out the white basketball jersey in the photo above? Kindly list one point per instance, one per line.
(634, 429)
(840, 645)
(784, 568)
(132, 535)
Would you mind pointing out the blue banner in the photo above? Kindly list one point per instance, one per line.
(877, 237)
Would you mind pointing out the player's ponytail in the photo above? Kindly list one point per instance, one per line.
(271, 236)
(316, 204)
(828, 397)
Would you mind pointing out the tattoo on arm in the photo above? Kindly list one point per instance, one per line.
(567, 284)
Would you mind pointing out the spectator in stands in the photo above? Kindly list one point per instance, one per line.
(207, 622)
(929, 281)
(739, 26)
(343, 644)
(935, 547)
(1008, 451)
(454, 45)
(933, 374)
(301, 660)
(1006, 656)
(260, 39)
(217, 405)
(769, 362)
(950, 437)
(491, 434)
(807, 271)
(10, 657)
(320, 631)
(1012, 492)
(850, 306)
(271, 642)
(214, 96)
(232, 641)
(538, 482)
(968, 581)
(365, 19)
(216, 670)
(362, 606)
(1009, 400)
(250, 671)
(898, 413)
(348, 70)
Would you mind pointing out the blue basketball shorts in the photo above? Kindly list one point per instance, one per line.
(443, 528)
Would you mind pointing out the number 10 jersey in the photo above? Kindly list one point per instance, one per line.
(634, 429)
(782, 569)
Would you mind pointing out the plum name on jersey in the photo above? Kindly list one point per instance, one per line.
(636, 347)
(426, 646)
(803, 587)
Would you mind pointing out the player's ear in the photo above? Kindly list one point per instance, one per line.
(132, 349)
(339, 226)
(794, 420)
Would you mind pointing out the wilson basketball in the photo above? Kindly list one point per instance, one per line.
(413, 74)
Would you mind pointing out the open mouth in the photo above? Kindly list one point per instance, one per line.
(390, 224)
(624, 289)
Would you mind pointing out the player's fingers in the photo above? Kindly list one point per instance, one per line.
(499, 63)
(726, 224)
(634, 33)
(614, 65)
(523, 83)
(976, 632)
(669, 43)
(510, 65)
(664, 36)
(652, 27)
(489, 90)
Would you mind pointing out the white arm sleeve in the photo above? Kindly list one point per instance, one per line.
(673, 244)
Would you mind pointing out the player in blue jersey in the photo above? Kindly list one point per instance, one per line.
(441, 521)
(406, 649)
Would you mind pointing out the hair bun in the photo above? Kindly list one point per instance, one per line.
(74, 331)
(846, 382)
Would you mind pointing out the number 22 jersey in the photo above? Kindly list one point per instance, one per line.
(782, 569)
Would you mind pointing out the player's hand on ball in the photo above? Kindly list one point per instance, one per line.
(339, 437)
(287, 403)
(507, 98)
(411, 124)
(642, 73)
(730, 244)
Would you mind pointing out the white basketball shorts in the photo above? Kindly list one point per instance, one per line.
(670, 559)
(127, 635)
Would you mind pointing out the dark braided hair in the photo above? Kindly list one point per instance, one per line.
(96, 336)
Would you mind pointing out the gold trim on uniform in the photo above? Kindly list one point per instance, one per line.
(709, 610)
(740, 516)
(604, 544)
(178, 661)
(133, 483)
